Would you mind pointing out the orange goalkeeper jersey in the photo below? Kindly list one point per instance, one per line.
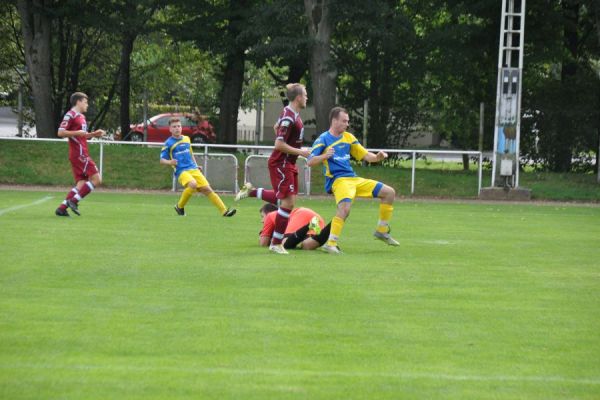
(298, 218)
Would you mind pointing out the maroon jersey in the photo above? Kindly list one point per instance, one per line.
(74, 121)
(291, 130)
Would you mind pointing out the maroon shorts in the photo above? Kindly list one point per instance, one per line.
(284, 180)
(83, 168)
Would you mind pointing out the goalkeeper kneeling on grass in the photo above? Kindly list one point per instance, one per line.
(305, 230)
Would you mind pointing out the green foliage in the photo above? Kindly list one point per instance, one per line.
(378, 58)
(461, 46)
(172, 72)
(10, 62)
(423, 65)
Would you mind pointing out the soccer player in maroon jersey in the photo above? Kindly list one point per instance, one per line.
(282, 164)
(85, 172)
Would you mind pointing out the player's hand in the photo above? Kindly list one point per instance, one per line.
(199, 168)
(382, 155)
(330, 152)
(98, 133)
(305, 153)
(173, 162)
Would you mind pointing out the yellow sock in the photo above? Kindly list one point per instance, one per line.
(337, 224)
(385, 215)
(216, 200)
(185, 197)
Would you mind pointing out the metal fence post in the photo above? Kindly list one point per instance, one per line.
(101, 158)
(412, 179)
(205, 159)
(480, 173)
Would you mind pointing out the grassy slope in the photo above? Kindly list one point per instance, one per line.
(129, 301)
(137, 167)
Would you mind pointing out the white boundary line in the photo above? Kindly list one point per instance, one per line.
(35, 203)
(357, 374)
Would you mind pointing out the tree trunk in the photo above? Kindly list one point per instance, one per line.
(465, 159)
(127, 40)
(36, 28)
(563, 153)
(322, 71)
(231, 94)
(597, 12)
(76, 63)
(99, 117)
(375, 129)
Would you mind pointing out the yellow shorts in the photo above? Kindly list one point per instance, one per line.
(346, 189)
(192, 175)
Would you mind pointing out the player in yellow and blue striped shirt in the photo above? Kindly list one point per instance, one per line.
(334, 149)
(177, 152)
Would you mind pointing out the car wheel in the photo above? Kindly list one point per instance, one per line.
(136, 137)
(198, 139)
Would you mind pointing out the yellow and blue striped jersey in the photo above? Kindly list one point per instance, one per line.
(338, 166)
(180, 150)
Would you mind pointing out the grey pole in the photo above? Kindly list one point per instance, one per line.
(145, 112)
(481, 115)
(258, 128)
(20, 110)
(365, 121)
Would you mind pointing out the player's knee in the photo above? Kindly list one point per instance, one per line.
(206, 190)
(96, 180)
(344, 210)
(192, 185)
(390, 193)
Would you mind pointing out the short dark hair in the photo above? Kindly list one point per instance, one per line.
(172, 120)
(268, 208)
(293, 90)
(335, 112)
(75, 97)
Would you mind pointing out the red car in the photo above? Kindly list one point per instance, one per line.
(195, 126)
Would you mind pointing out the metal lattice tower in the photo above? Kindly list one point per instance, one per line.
(507, 130)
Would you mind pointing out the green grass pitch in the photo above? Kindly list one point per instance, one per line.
(130, 301)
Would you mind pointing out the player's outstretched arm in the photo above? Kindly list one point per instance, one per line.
(164, 161)
(96, 133)
(283, 147)
(67, 134)
(372, 157)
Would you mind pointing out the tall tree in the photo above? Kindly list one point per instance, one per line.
(282, 40)
(561, 83)
(125, 20)
(377, 53)
(322, 68)
(36, 26)
(222, 28)
(233, 72)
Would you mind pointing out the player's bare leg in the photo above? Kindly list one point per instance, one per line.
(387, 195)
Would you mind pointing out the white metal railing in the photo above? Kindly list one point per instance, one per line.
(412, 152)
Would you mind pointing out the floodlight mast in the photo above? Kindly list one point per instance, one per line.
(507, 127)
